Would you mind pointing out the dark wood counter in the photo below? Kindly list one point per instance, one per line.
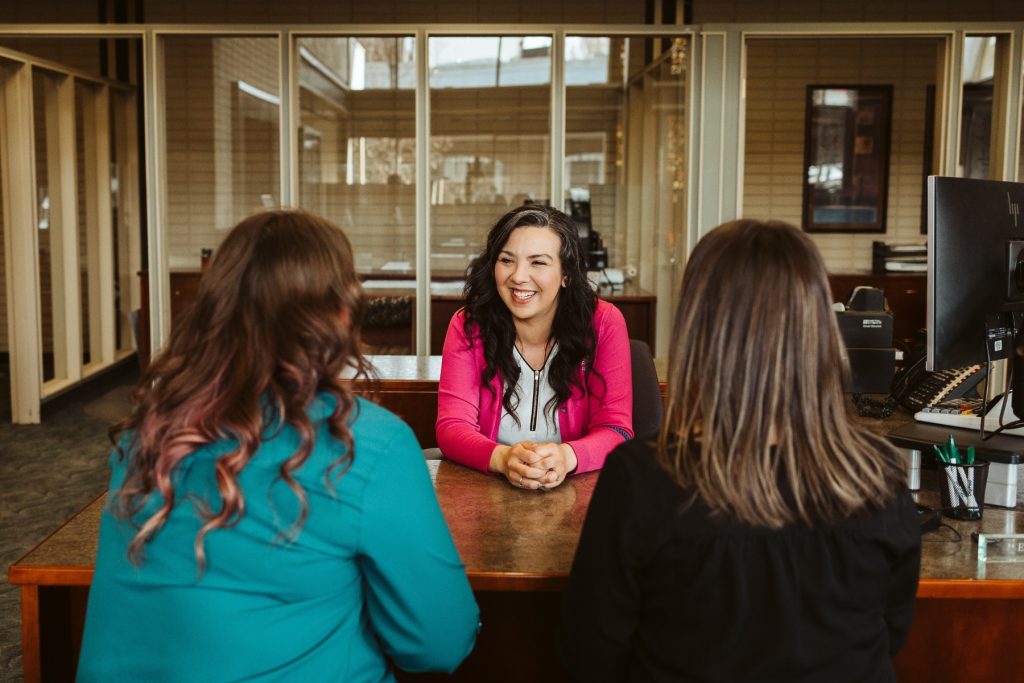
(906, 294)
(518, 548)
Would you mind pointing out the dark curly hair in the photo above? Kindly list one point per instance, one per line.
(487, 316)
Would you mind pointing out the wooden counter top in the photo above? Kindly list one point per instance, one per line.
(514, 540)
(510, 539)
(518, 548)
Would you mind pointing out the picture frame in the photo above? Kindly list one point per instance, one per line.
(846, 158)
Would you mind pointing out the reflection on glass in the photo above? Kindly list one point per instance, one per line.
(626, 147)
(49, 314)
(357, 166)
(490, 61)
(976, 110)
(490, 145)
(222, 120)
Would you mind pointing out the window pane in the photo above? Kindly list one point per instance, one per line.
(357, 166)
(490, 149)
(124, 205)
(48, 313)
(625, 151)
(976, 110)
(222, 121)
(490, 61)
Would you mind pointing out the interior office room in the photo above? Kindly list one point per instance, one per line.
(135, 133)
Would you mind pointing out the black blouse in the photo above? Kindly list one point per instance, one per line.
(664, 592)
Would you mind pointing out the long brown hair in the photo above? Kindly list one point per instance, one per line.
(274, 322)
(756, 423)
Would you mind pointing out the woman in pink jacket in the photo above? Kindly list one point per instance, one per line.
(535, 375)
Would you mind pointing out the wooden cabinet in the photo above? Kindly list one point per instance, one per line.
(906, 294)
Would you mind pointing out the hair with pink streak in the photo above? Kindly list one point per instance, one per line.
(274, 322)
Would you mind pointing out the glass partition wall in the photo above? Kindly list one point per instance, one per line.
(222, 100)
(500, 124)
(414, 142)
(357, 166)
(626, 152)
(490, 149)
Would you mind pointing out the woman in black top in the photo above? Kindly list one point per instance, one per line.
(763, 536)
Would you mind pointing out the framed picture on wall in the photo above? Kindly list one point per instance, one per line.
(846, 157)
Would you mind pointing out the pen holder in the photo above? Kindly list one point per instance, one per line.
(962, 489)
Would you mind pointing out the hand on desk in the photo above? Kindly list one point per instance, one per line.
(531, 466)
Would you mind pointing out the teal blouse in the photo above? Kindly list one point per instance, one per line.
(372, 575)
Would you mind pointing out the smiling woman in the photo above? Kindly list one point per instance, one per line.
(535, 377)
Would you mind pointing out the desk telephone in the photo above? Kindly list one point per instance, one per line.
(916, 388)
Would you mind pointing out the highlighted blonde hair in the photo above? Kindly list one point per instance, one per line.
(756, 422)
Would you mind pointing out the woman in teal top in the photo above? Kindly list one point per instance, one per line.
(262, 522)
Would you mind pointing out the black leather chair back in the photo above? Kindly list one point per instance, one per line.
(648, 409)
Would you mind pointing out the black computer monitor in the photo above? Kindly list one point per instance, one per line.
(975, 270)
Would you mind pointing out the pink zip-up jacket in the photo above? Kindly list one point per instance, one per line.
(593, 421)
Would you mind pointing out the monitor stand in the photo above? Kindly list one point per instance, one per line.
(1004, 453)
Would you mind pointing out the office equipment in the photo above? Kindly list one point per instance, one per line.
(915, 388)
(974, 421)
(593, 245)
(904, 298)
(912, 456)
(1002, 452)
(607, 277)
(579, 210)
(866, 330)
(903, 258)
(975, 275)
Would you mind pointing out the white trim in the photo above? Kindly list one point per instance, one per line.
(249, 89)
(557, 126)
(306, 56)
(48, 65)
(422, 144)
(156, 193)
(21, 248)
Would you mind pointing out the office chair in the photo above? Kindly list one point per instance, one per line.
(647, 406)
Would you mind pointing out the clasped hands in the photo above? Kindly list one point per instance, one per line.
(533, 466)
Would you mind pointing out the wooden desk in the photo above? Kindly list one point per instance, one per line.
(964, 628)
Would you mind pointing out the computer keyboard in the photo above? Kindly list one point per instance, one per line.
(963, 414)
(957, 406)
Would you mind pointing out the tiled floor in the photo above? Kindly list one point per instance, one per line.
(47, 473)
